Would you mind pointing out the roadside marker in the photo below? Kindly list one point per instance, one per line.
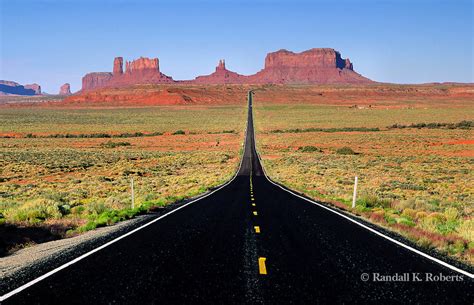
(355, 193)
(133, 193)
(261, 265)
(255, 213)
(257, 229)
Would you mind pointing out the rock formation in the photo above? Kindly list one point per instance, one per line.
(118, 66)
(314, 66)
(221, 76)
(9, 87)
(95, 80)
(140, 71)
(65, 89)
(35, 87)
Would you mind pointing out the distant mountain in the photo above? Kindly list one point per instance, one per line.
(14, 88)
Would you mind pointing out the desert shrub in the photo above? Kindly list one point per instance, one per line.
(456, 247)
(432, 222)
(96, 208)
(420, 215)
(36, 210)
(447, 227)
(466, 230)
(435, 125)
(425, 242)
(438, 216)
(405, 221)
(372, 201)
(314, 129)
(409, 213)
(110, 144)
(345, 151)
(179, 132)
(378, 216)
(451, 214)
(309, 149)
(78, 210)
(405, 204)
(428, 224)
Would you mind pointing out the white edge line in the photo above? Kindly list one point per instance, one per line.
(445, 264)
(77, 259)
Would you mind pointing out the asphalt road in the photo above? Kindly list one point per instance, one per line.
(210, 252)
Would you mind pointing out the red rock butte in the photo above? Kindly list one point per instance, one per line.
(314, 66)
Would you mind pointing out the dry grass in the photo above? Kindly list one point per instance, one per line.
(85, 182)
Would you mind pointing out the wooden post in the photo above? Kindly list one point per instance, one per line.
(354, 196)
(133, 193)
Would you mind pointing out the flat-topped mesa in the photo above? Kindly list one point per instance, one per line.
(35, 87)
(314, 66)
(95, 80)
(143, 64)
(10, 87)
(315, 58)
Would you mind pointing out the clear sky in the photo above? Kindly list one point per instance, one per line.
(409, 41)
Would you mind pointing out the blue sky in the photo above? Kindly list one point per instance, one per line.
(52, 42)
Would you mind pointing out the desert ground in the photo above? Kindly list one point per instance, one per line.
(67, 169)
(410, 146)
(66, 166)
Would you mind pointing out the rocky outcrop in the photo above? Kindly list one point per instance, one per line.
(118, 66)
(35, 87)
(315, 66)
(220, 76)
(9, 87)
(143, 65)
(65, 89)
(140, 71)
(95, 80)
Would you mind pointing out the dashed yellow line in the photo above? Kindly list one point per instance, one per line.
(257, 229)
(255, 213)
(253, 204)
(261, 265)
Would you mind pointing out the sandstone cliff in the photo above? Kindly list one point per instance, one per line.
(315, 66)
(95, 80)
(65, 89)
(140, 71)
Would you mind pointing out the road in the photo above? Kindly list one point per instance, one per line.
(250, 242)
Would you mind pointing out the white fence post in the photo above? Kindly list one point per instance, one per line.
(133, 194)
(355, 193)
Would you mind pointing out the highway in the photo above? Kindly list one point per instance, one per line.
(251, 242)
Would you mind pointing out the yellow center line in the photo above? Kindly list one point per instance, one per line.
(252, 199)
(253, 204)
(261, 265)
(255, 213)
(257, 229)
